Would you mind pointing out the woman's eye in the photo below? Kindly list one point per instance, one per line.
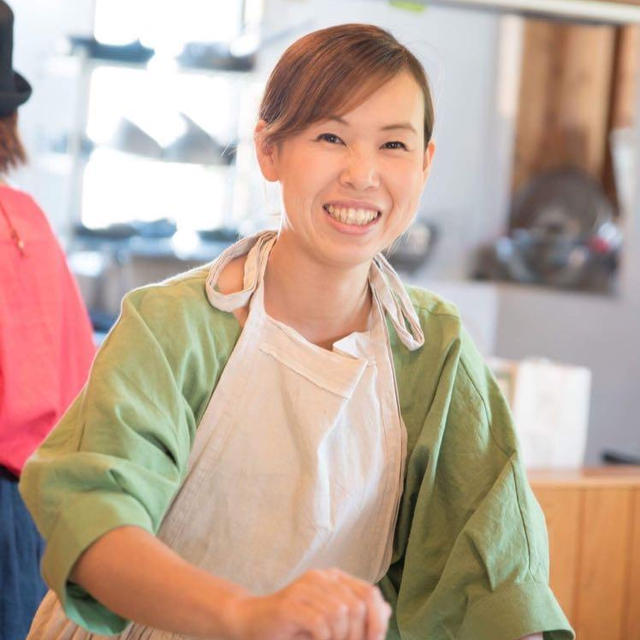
(332, 138)
(395, 144)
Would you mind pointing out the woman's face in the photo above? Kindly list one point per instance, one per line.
(351, 184)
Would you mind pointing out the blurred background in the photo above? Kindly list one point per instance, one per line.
(139, 132)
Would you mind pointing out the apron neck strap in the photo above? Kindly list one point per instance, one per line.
(396, 302)
(383, 279)
(257, 249)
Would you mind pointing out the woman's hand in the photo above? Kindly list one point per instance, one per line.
(320, 605)
(161, 590)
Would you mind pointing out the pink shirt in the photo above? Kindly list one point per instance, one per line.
(46, 341)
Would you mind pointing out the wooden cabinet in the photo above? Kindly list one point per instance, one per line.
(593, 518)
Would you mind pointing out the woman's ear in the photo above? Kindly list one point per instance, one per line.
(428, 159)
(266, 153)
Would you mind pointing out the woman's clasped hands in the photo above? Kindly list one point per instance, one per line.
(320, 605)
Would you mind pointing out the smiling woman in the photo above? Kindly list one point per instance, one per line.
(289, 442)
(350, 186)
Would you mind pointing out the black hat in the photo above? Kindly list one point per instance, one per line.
(14, 89)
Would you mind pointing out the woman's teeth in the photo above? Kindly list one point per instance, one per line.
(351, 216)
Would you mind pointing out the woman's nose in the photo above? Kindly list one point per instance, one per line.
(360, 172)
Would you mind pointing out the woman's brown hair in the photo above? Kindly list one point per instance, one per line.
(329, 72)
(12, 153)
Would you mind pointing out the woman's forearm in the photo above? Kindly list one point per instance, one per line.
(138, 577)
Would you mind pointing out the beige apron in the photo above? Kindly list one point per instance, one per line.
(298, 460)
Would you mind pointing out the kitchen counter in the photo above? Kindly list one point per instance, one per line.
(593, 518)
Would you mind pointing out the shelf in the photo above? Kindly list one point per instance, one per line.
(607, 476)
(580, 10)
(150, 160)
(62, 162)
(67, 63)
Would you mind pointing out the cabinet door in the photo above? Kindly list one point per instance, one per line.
(561, 506)
(601, 596)
(633, 590)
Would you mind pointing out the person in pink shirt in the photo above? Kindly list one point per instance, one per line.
(46, 349)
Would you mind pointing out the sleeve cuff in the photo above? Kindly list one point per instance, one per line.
(81, 524)
(517, 611)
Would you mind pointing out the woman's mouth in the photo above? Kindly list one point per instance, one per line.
(357, 217)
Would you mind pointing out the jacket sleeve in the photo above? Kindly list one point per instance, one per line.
(471, 554)
(116, 458)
